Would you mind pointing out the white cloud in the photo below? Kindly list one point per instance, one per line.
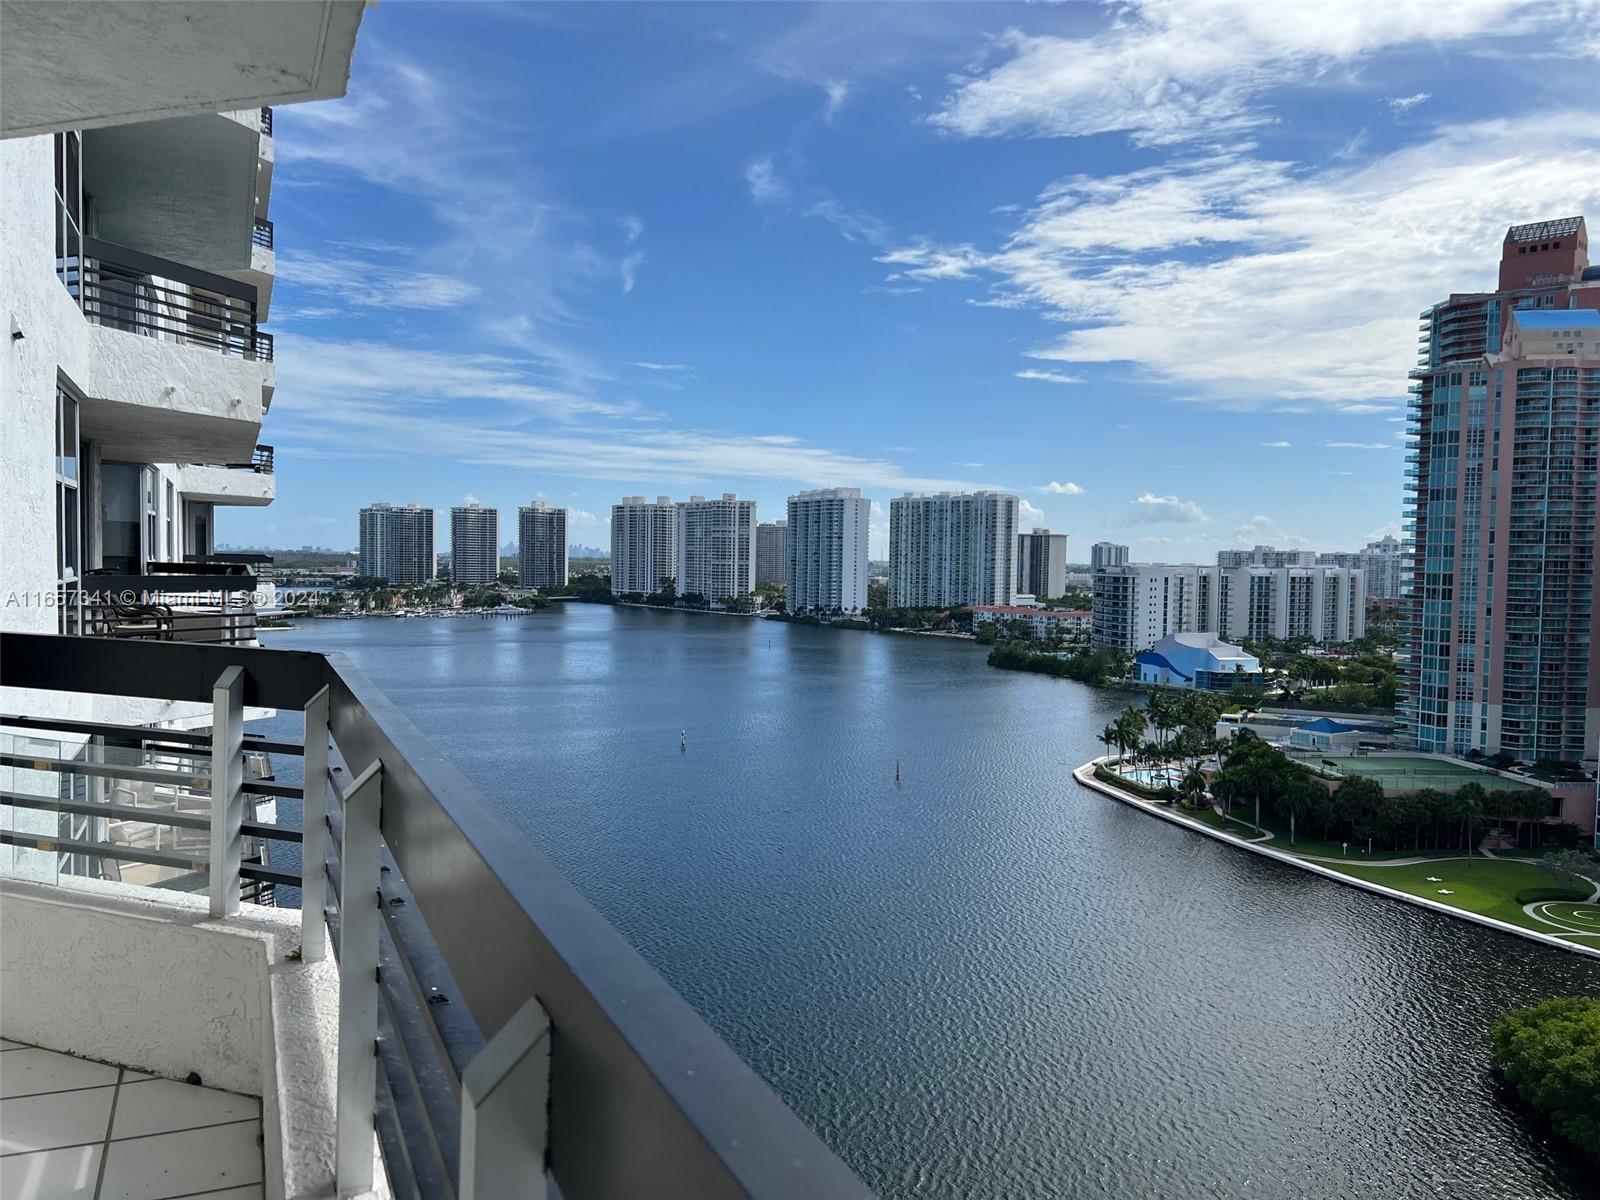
(1265, 284)
(1276, 445)
(401, 404)
(366, 283)
(1166, 71)
(1360, 445)
(632, 229)
(1150, 509)
(1263, 530)
(837, 90)
(1060, 489)
(1048, 376)
(1029, 512)
(629, 270)
(1404, 104)
(469, 498)
(579, 517)
(766, 185)
(657, 366)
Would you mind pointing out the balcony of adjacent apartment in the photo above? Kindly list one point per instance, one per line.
(441, 1015)
(251, 483)
(204, 599)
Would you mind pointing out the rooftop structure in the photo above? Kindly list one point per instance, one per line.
(1196, 660)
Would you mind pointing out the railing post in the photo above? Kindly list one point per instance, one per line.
(314, 833)
(359, 918)
(505, 1099)
(227, 789)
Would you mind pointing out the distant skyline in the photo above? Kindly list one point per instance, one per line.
(1169, 298)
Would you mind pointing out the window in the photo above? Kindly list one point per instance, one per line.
(69, 521)
(69, 210)
(172, 542)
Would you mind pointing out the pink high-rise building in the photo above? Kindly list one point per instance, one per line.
(1501, 494)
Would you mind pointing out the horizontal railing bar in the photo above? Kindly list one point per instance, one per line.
(119, 812)
(153, 816)
(268, 874)
(162, 268)
(143, 733)
(270, 787)
(72, 766)
(156, 858)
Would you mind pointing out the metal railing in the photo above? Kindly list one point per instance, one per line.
(128, 289)
(518, 1036)
(266, 120)
(261, 233)
(260, 462)
(174, 602)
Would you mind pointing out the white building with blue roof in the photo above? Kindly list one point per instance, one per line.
(1197, 660)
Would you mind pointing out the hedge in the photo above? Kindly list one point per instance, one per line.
(1535, 895)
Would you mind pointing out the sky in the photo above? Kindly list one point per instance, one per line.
(1155, 267)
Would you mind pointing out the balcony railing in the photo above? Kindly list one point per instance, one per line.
(266, 120)
(261, 233)
(260, 462)
(155, 297)
(173, 602)
(517, 1035)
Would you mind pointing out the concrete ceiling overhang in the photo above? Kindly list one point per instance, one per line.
(112, 62)
(143, 433)
(183, 188)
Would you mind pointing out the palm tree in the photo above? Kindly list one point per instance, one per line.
(1111, 736)
(1192, 786)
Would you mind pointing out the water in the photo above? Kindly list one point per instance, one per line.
(985, 981)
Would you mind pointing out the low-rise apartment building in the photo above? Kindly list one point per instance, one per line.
(1070, 624)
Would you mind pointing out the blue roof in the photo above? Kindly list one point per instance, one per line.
(1150, 658)
(1558, 318)
(1327, 725)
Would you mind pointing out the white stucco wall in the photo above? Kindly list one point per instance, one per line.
(147, 980)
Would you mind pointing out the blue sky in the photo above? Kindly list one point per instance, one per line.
(1154, 267)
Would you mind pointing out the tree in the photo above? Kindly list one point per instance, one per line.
(1550, 1054)
(1298, 795)
(1131, 727)
(1192, 786)
(1112, 736)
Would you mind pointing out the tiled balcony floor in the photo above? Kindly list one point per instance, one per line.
(74, 1128)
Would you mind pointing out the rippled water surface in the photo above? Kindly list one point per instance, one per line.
(985, 981)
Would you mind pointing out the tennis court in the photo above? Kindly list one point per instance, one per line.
(1406, 771)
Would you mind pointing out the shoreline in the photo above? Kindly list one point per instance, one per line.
(1085, 777)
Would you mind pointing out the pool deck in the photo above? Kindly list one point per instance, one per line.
(1085, 776)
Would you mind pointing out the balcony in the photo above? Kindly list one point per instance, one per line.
(261, 234)
(208, 602)
(126, 289)
(518, 1039)
(248, 484)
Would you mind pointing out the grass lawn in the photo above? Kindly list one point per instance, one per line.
(1480, 885)
(1304, 843)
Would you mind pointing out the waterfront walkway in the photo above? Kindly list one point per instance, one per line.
(1567, 920)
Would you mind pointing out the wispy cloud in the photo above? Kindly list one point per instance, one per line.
(659, 366)
(1404, 104)
(1266, 284)
(1361, 445)
(765, 184)
(372, 283)
(1150, 509)
(1276, 445)
(1048, 376)
(1165, 72)
(836, 90)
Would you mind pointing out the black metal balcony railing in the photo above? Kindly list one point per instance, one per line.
(261, 233)
(517, 1034)
(143, 294)
(266, 120)
(260, 462)
(174, 602)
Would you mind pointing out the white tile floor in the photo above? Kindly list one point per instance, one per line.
(71, 1128)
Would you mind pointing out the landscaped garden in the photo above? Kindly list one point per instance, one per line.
(1424, 843)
